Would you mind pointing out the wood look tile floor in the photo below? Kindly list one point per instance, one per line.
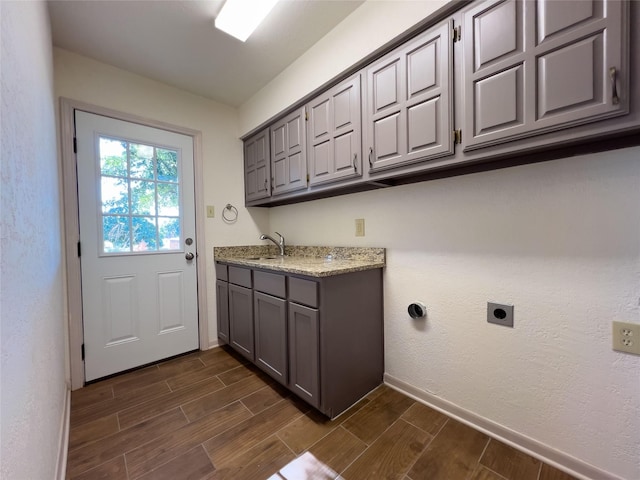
(210, 416)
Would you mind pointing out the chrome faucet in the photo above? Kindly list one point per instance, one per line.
(279, 244)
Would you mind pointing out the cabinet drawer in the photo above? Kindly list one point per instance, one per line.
(240, 276)
(270, 283)
(221, 272)
(303, 291)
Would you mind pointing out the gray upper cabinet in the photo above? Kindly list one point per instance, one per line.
(409, 102)
(289, 153)
(257, 167)
(531, 67)
(333, 133)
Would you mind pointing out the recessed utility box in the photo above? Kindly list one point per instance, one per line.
(500, 314)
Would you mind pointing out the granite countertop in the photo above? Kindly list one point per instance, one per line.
(311, 261)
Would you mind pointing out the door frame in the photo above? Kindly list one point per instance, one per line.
(72, 224)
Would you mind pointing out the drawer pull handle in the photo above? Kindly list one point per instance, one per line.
(614, 94)
(355, 165)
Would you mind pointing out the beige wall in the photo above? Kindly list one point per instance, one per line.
(33, 335)
(559, 240)
(87, 80)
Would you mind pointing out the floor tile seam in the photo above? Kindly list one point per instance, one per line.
(484, 450)
(208, 377)
(126, 467)
(77, 474)
(236, 454)
(357, 456)
(182, 443)
(424, 449)
(146, 419)
(158, 466)
(226, 405)
(285, 443)
(432, 435)
(124, 452)
(382, 433)
(164, 411)
(137, 444)
(491, 470)
(97, 405)
(333, 429)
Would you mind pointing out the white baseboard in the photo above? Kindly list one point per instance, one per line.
(545, 453)
(213, 344)
(63, 442)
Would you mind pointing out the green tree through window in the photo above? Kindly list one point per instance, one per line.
(140, 197)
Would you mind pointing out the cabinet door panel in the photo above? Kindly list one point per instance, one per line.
(498, 33)
(334, 133)
(288, 153)
(241, 320)
(410, 99)
(556, 77)
(304, 353)
(222, 310)
(499, 101)
(581, 62)
(271, 335)
(554, 17)
(257, 166)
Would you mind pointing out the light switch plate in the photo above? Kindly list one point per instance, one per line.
(211, 211)
(359, 227)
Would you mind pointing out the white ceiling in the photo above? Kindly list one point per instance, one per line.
(175, 41)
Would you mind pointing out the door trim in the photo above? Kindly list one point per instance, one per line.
(72, 225)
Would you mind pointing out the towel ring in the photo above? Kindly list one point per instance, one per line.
(230, 213)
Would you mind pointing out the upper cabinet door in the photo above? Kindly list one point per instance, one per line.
(536, 66)
(410, 102)
(288, 153)
(334, 135)
(257, 167)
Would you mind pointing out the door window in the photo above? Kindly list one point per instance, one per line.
(140, 197)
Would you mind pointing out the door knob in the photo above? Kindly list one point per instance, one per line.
(189, 256)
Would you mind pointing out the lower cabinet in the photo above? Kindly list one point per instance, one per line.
(241, 320)
(271, 335)
(304, 377)
(222, 310)
(322, 338)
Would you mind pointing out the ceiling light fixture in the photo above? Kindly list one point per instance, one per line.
(239, 18)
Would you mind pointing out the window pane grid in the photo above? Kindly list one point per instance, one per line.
(140, 197)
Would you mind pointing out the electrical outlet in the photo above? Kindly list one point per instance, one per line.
(211, 211)
(359, 227)
(626, 337)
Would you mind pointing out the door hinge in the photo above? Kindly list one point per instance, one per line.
(457, 33)
(75, 145)
(79, 249)
(457, 136)
(82, 351)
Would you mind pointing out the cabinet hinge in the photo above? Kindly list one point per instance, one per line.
(306, 116)
(75, 145)
(82, 351)
(307, 179)
(457, 136)
(456, 35)
(79, 250)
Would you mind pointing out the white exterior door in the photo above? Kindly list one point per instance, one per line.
(137, 235)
